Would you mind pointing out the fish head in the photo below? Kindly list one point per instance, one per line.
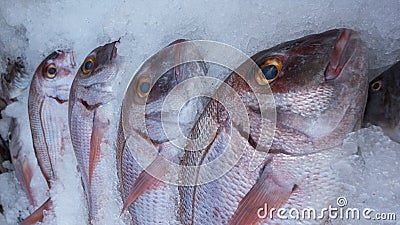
(154, 81)
(383, 102)
(319, 84)
(54, 76)
(95, 78)
(99, 65)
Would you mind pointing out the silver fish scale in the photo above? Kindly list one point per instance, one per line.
(49, 131)
(225, 193)
(207, 128)
(216, 202)
(305, 102)
(157, 199)
(81, 132)
(38, 136)
(317, 184)
(54, 126)
(132, 169)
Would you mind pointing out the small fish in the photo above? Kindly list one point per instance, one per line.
(148, 199)
(383, 102)
(13, 82)
(48, 110)
(89, 121)
(319, 84)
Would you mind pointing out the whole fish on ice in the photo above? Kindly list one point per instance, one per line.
(383, 102)
(154, 201)
(48, 110)
(319, 84)
(91, 108)
(48, 116)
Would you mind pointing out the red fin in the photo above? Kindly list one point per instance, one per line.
(95, 141)
(27, 172)
(37, 215)
(145, 181)
(266, 191)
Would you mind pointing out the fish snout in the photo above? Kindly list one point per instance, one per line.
(114, 49)
(72, 58)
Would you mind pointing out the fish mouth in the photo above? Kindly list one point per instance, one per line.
(343, 49)
(114, 49)
(59, 99)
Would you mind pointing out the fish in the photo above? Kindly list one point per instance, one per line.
(149, 199)
(90, 120)
(383, 101)
(319, 86)
(23, 167)
(48, 110)
(13, 81)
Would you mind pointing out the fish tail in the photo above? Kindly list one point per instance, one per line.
(38, 214)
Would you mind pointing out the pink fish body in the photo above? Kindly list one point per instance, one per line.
(91, 109)
(48, 110)
(150, 200)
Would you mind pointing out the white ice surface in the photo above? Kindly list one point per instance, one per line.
(145, 27)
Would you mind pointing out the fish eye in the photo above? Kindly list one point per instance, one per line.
(143, 87)
(376, 86)
(270, 71)
(51, 71)
(88, 65)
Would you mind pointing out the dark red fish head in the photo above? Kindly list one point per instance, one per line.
(319, 83)
(308, 61)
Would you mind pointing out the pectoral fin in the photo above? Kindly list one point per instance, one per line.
(268, 190)
(146, 180)
(37, 215)
(98, 130)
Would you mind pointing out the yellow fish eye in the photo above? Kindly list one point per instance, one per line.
(143, 87)
(51, 71)
(88, 65)
(269, 71)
